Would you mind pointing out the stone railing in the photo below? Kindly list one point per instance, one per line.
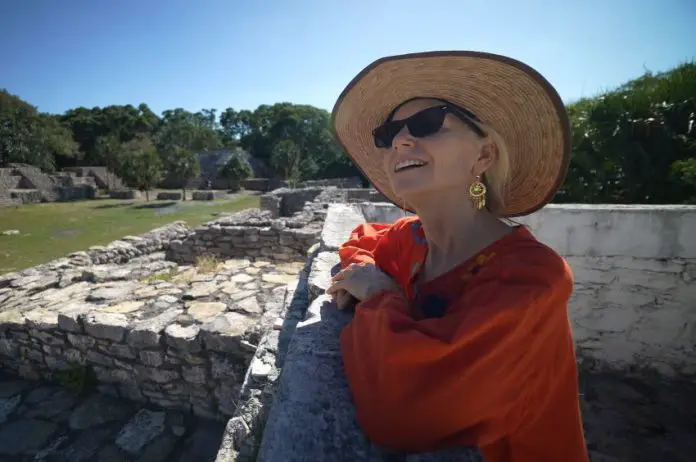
(250, 234)
(632, 313)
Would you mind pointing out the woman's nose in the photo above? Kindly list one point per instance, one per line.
(403, 139)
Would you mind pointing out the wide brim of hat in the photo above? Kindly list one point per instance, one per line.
(505, 94)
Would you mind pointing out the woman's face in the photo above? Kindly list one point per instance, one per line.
(448, 160)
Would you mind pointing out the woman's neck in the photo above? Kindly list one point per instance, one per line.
(455, 232)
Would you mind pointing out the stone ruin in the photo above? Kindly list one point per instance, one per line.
(186, 332)
(25, 184)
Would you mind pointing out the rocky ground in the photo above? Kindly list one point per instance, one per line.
(44, 422)
(638, 420)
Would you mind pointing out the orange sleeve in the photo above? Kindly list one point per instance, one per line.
(470, 374)
(363, 242)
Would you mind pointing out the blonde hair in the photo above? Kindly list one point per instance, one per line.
(497, 176)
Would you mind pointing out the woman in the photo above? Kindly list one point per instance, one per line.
(461, 334)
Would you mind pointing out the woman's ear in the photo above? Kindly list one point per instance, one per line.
(487, 157)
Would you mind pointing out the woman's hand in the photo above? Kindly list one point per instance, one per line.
(361, 280)
(343, 299)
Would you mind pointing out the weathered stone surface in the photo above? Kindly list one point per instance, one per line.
(224, 332)
(91, 428)
(108, 326)
(249, 305)
(341, 219)
(69, 317)
(123, 307)
(201, 290)
(86, 445)
(98, 410)
(320, 274)
(11, 388)
(144, 427)
(56, 406)
(183, 338)
(202, 311)
(8, 406)
(147, 333)
(314, 360)
(112, 293)
(25, 436)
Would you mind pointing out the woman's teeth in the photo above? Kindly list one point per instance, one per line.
(408, 164)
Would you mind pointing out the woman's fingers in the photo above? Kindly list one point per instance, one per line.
(340, 275)
(335, 287)
(343, 299)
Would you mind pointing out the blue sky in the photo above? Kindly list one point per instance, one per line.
(221, 53)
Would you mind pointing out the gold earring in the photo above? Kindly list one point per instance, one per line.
(477, 192)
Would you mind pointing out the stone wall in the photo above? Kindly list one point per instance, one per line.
(285, 202)
(286, 226)
(125, 194)
(250, 234)
(148, 330)
(270, 184)
(262, 184)
(345, 183)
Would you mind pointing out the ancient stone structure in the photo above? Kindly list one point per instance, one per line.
(285, 202)
(23, 184)
(170, 196)
(201, 322)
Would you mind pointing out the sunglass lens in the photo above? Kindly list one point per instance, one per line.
(421, 124)
(426, 122)
(385, 133)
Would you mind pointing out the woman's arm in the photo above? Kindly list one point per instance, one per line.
(363, 242)
(473, 372)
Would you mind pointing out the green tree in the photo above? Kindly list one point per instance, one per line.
(181, 164)
(262, 131)
(235, 170)
(140, 166)
(122, 122)
(27, 136)
(193, 131)
(287, 160)
(630, 144)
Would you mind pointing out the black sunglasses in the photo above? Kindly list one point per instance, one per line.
(424, 123)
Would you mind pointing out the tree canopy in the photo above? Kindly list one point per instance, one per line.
(633, 144)
(637, 143)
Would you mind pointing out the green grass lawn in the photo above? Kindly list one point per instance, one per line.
(53, 230)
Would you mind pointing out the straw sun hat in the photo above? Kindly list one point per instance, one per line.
(503, 93)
